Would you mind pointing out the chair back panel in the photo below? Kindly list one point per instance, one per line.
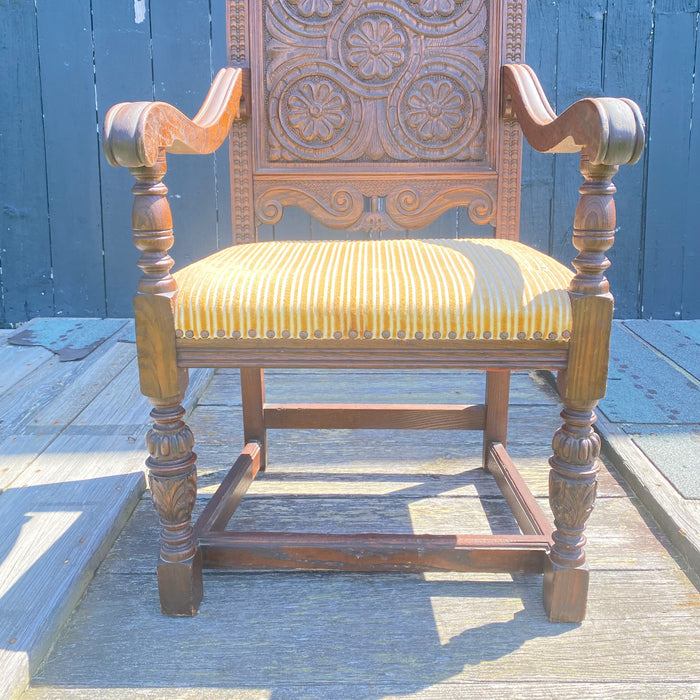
(375, 115)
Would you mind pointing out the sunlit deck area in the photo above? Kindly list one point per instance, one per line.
(74, 505)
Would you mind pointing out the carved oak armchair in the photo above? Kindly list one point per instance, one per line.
(375, 116)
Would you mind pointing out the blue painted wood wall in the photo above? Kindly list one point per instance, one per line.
(65, 244)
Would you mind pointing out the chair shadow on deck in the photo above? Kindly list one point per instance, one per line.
(372, 634)
(54, 537)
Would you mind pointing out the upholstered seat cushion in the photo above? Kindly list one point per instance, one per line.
(397, 289)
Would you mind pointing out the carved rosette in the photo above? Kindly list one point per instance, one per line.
(573, 484)
(172, 480)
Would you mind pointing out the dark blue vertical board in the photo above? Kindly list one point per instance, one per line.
(627, 58)
(667, 178)
(538, 168)
(26, 288)
(219, 60)
(70, 127)
(690, 300)
(123, 73)
(182, 69)
(295, 225)
(579, 75)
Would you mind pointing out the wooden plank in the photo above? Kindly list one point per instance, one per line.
(678, 517)
(690, 291)
(242, 354)
(295, 225)
(123, 73)
(252, 406)
(667, 157)
(374, 416)
(526, 511)
(496, 418)
(402, 463)
(515, 690)
(643, 387)
(373, 552)
(361, 386)
(26, 284)
(675, 6)
(452, 633)
(579, 75)
(679, 341)
(38, 407)
(182, 78)
(222, 505)
(62, 522)
(66, 510)
(536, 207)
(627, 73)
(619, 538)
(16, 363)
(72, 170)
(674, 450)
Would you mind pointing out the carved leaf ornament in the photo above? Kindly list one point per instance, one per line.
(375, 81)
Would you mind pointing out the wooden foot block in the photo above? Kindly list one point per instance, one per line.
(565, 592)
(180, 586)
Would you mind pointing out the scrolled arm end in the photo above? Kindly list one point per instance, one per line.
(607, 130)
(134, 133)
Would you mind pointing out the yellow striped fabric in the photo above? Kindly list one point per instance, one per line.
(451, 289)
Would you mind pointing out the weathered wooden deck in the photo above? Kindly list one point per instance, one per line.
(330, 635)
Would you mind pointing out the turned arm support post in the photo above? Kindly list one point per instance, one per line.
(608, 133)
(138, 135)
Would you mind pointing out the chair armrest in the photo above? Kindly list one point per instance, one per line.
(134, 133)
(607, 130)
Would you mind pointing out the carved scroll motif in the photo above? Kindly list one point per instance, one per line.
(338, 208)
(379, 81)
(408, 207)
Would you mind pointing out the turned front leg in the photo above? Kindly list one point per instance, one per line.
(574, 465)
(171, 464)
(173, 483)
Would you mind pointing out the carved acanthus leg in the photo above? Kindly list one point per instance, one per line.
(171, 465)
(574, 465)
(173, 482)
(572, 491)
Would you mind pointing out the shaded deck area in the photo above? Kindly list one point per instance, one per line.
(72, 454)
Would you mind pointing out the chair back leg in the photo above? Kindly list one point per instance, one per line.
(253, 400)
(497, 396)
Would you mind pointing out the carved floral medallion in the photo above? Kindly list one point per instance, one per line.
(374, 80)
(315, 110)
(375, 48)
